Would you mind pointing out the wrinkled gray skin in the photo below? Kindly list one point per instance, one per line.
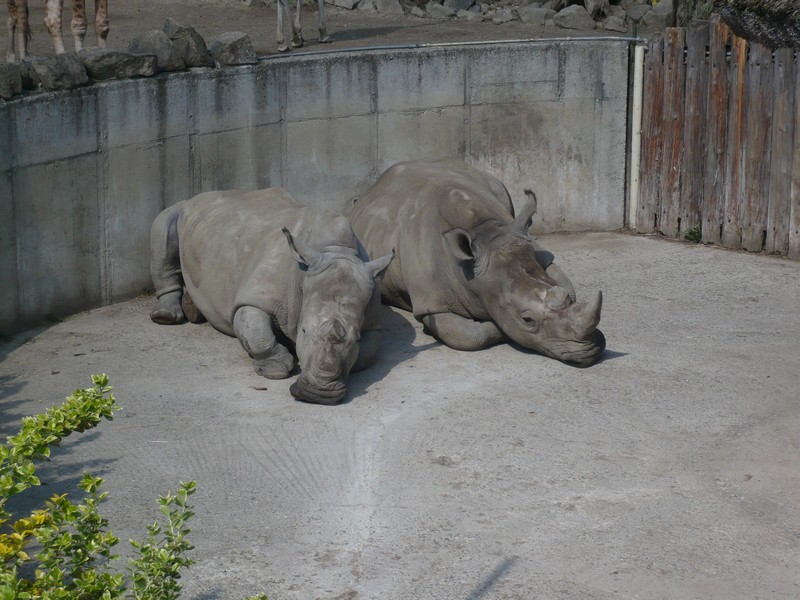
(467, 267)
(229, 256)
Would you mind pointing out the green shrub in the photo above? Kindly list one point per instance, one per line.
(75, 547)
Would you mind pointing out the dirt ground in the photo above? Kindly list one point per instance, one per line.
(348, 28)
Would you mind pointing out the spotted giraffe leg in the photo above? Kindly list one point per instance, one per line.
(101, 25)
(283, 12)
(52, 21)
(297, 27)
(19, 26)
(324, 38)
(78, 25)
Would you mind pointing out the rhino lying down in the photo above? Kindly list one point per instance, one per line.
(466, 265)
(225, 255)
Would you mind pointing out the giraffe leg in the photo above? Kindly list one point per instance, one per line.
(78, 25)
(297, 28)
(283, 11)
(324, 38)
(19, 26)
(101, 26)
(52, 22)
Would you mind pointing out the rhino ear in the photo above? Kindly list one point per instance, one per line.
(378, 266)
(525, 216)
(460, 243)
(304, 256)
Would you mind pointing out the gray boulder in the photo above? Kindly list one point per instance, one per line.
(503, 15)
(661, 16)
(103, 64)
(615, 24)
(389, 7)
(458, 5)
(437, 11)
(534, 15)
(637, 12)
(469, 16)
(62, 72)
(10, 80)
(574, 17)
(157, 43)
(416, 11)
(368, 6)
(190, 45)
(233, 48)
(348, 4)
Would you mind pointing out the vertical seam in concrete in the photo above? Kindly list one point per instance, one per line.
(376, 138)
(283, 99)
(193, 106)
(12, 174)
(101, 126)
(467, 82)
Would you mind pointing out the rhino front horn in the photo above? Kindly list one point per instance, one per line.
(585, 316)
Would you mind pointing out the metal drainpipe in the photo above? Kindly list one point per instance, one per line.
(636, 132)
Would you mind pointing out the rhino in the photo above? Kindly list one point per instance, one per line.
(260, 266)
(466, 265)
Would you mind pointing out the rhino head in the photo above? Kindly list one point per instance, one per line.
(498, 260)
(337, 288)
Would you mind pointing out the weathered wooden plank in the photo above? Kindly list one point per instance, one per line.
(694, 127)
(674, 84)
(782, 151)
(649, 169)
(757, 152)
(794, 196)
(716, 129)
(734, 151)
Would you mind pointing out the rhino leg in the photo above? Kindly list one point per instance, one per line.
(253, 327)
(165, 268)
(462, 334)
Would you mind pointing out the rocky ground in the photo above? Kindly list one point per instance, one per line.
(351, 24)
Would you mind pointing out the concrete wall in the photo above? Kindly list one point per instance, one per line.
(85, 172)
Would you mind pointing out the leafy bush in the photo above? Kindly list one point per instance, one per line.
(75, 554)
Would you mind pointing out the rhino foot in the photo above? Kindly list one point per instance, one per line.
(278, 366)
(168, 310)
(190, 309)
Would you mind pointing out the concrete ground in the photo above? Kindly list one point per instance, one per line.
(671, 469)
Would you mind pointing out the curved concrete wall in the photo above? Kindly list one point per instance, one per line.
(86, 171)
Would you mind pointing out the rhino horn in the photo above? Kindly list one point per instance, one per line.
(525, 216)
(585, 316)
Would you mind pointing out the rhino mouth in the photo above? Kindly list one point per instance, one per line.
(330, 395)
(583, 354)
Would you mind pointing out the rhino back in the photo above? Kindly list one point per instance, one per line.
(233, 252)
(409, 208)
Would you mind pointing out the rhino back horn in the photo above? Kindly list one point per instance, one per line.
(524, 217)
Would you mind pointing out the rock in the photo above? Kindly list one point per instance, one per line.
(103, 64)
(469, 16)
(664, 7)
(62, 72)
(233, 48)
(504, 15)
(458, 5)
(637, 12)
(596, 8)
(368, 6)
(534, 15)
(157, 43)
(615, 10)
(389, 7)
(416, 11)
(661, 16)
(348, 4)
(10, 80)
(30, 80)
(190, 45)
(613, 23)
(574, 17)
(437, 11)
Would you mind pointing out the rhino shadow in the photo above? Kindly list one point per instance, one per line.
(397, 345)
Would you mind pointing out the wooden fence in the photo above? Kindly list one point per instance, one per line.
(721, 140)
